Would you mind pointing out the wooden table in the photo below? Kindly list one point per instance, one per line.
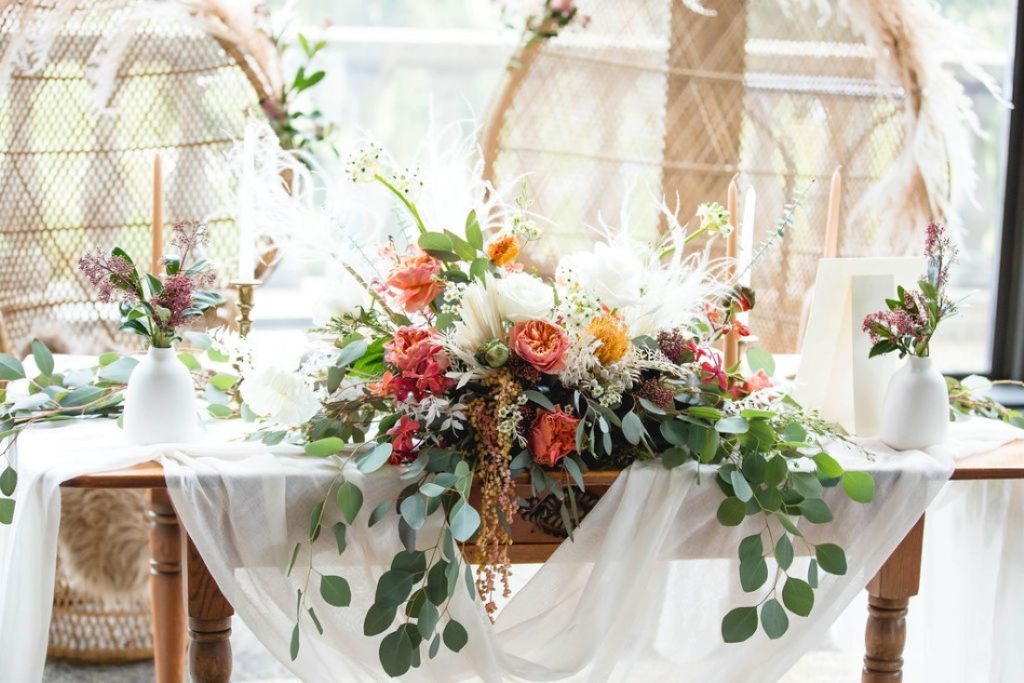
(209, 613)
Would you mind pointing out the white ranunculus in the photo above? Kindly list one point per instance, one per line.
(279, 393)
(337, 295)
(523, 297)
(613, 273)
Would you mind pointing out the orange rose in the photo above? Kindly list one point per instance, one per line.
(541, 344)
(552, 436)
(415, 281)
(503, 250)
(409, 346)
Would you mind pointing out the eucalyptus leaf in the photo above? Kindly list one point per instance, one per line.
(540, 399)
(739, 624)
(632, 427)
(375, 459)
(798, 596)
(293, 649)
(8, 481)
(414, 511)
(859, 486)
(11, 368)
(396, 653)
(831, 558)
(42, 356)
(350, 500)
(464, 521)
(732, 425)
(335, 591)
(731, 511)
(774, 619)
(784, 552)
(455, 636)
(378, 619)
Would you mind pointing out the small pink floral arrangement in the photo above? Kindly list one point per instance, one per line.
(911, 319)
(157, 305)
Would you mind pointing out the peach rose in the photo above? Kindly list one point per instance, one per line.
(410, 346)
(541, 344)
(415, 281)
(552, 436)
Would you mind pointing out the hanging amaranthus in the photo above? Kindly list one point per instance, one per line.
(495, 420)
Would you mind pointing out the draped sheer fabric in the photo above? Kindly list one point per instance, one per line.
(638, 596)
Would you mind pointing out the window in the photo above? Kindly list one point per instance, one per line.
(396, 65)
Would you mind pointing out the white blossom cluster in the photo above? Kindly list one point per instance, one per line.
(364, 164)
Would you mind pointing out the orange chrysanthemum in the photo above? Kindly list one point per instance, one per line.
(612, 334)
(503, 250)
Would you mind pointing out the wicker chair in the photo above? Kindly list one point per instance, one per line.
(661, 99)
(72, 177)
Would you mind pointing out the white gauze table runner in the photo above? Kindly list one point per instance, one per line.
(638, 596)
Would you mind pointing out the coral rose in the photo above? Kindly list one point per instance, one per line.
(421, 361)
(414, 280)
(503, 250)
(552, 436)
(410, 346)
(541, 344)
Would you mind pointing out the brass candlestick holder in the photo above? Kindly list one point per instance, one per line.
(245, 299)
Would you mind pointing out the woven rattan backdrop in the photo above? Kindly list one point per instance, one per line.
(653, 98)
(72, 177)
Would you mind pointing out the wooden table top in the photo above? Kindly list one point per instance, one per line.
(1005, 462)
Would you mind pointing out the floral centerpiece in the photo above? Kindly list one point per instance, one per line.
(465, 372)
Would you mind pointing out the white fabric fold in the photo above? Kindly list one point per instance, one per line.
(638, 596)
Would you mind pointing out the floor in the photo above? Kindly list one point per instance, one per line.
(253, 664)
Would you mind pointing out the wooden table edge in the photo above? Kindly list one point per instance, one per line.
(1003, 462)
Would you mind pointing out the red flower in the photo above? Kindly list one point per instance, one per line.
(552, 436)
(402, 448)
(712, 313)
(741, 329)
(713, 371)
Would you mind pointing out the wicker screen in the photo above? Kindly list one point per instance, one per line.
(72, 177)
(653, 98)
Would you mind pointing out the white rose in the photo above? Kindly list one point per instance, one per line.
(278, 392)
(523, 297)
(614, 274)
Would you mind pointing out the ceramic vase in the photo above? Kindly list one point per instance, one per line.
(915, 412)
(159, 401)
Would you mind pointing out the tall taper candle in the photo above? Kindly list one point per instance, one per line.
(158, 217)
(831, 249)
(731, 343)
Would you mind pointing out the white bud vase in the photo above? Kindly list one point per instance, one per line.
(160, 401)
(915, 412)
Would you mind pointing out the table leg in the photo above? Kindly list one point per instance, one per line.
(165, 585)
(209, 624)
(889, 594)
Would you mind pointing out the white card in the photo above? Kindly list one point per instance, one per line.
(835, 375)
